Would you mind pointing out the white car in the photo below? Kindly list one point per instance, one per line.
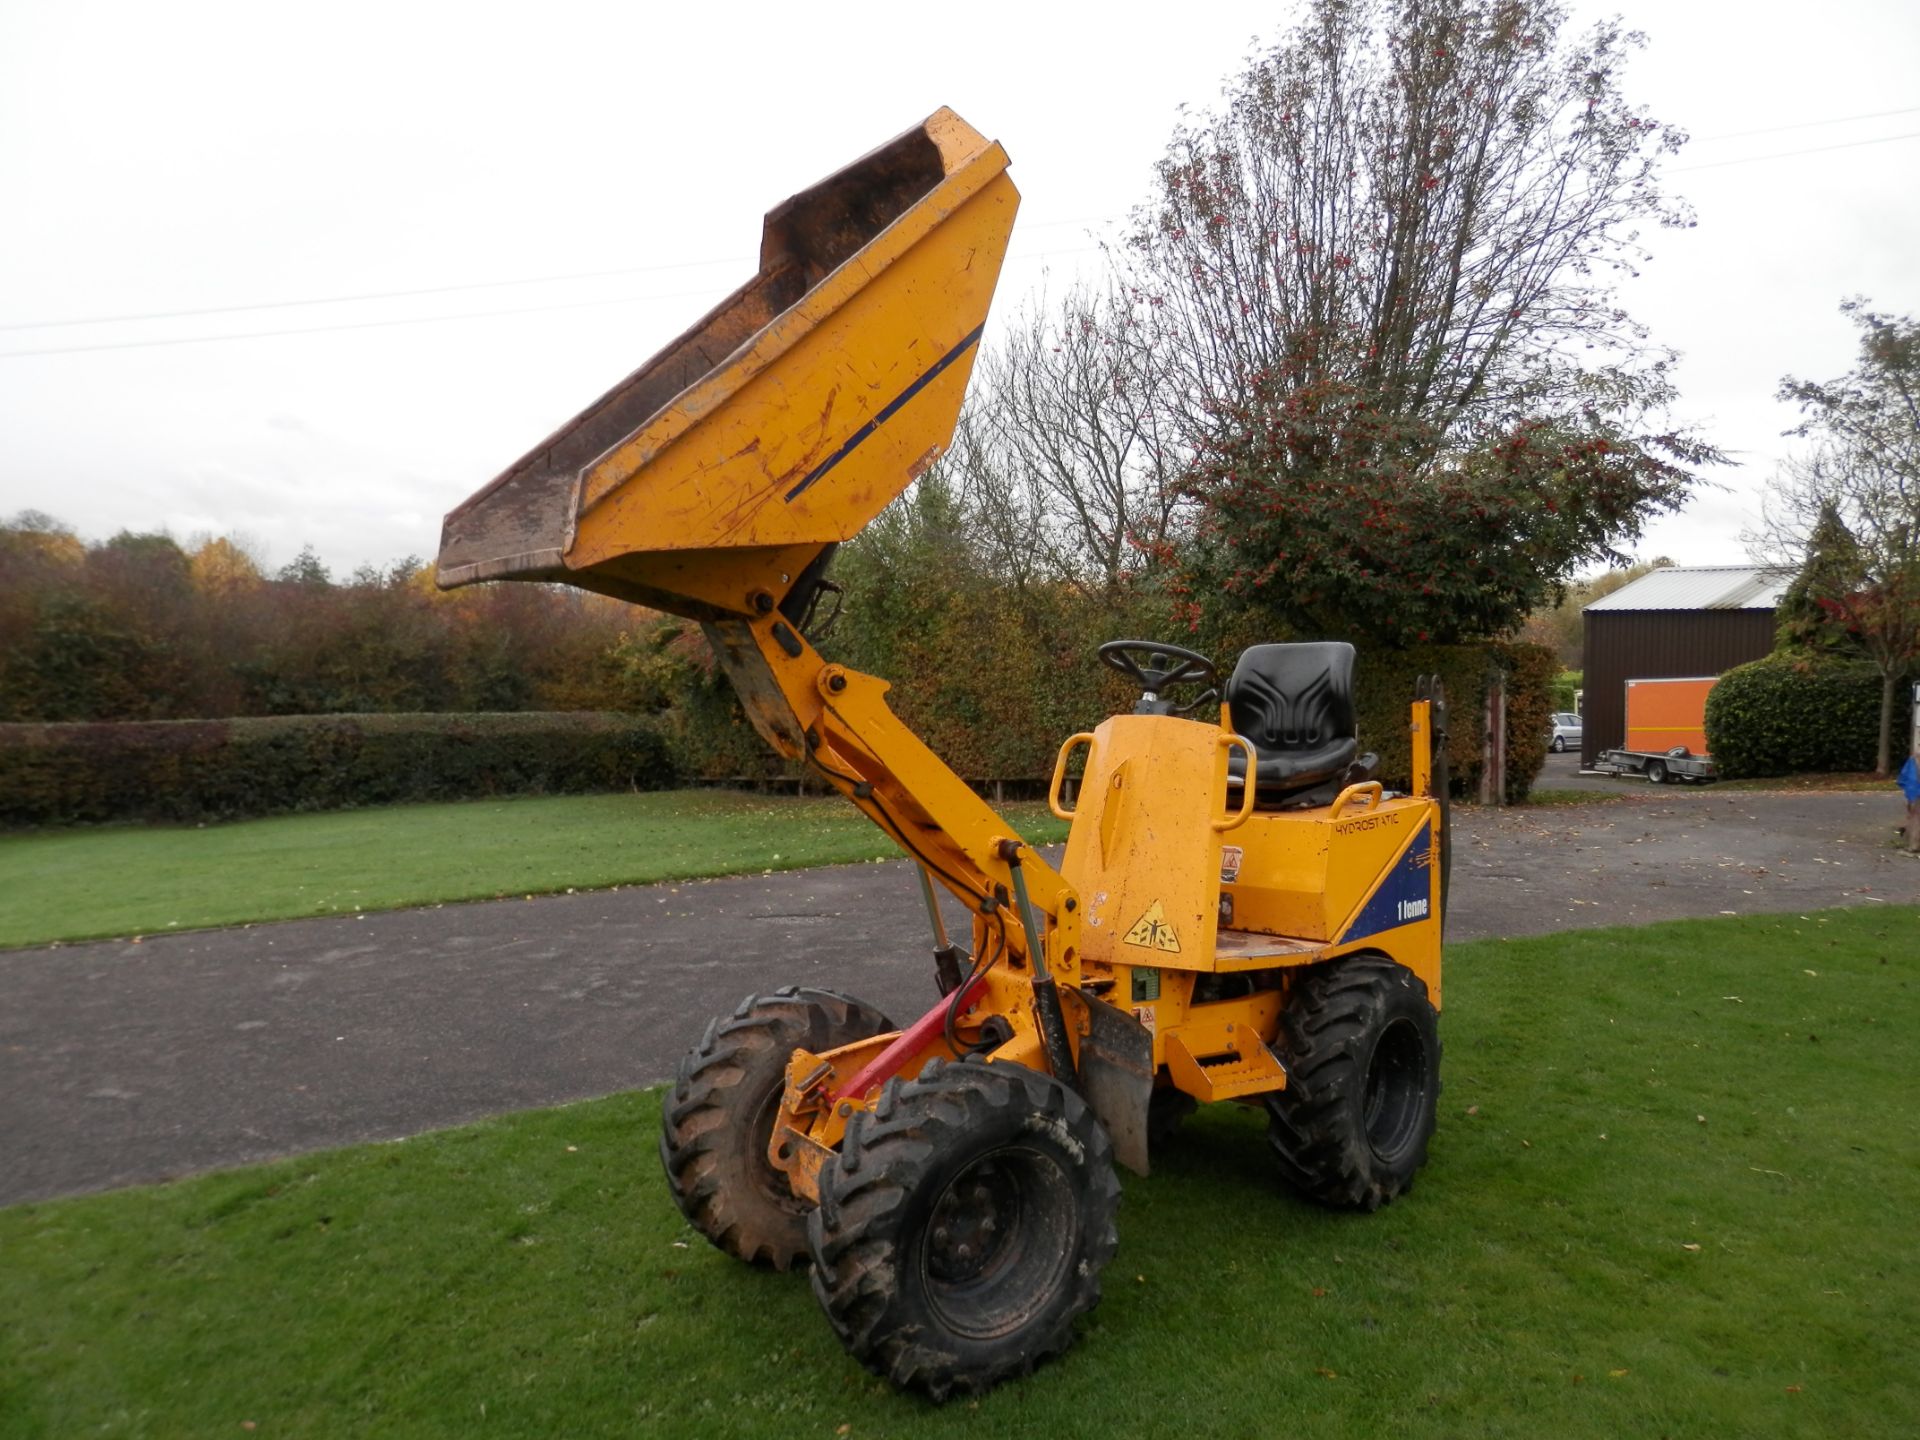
(1566, 731)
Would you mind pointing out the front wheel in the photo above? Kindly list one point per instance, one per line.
(963, 1226)
(1362, 1046)
(718, 1119)
(1656, 772)
(1559, 745)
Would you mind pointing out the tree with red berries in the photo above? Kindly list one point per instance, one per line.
(1386, 273)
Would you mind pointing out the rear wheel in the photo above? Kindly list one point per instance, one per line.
(963, 1226)
(1558, 744)
(1656, 772)
(1363, 1056)
(718, 1119)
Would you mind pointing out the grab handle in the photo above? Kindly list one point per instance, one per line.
(1234, 822)
(1372, 789)
(1060, 774)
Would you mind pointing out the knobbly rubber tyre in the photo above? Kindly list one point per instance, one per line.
(1362, 1048)
(963, 1226)
(718, 1118)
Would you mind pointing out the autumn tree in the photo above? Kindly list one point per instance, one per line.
(1069, 457)
(1562, 627)
(1386, 270)
(1849, 510)
(221, 564)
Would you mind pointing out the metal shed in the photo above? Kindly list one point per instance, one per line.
(1683, 620)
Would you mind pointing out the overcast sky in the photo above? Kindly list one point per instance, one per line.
(203, 157)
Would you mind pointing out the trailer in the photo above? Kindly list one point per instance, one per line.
(1678, 766)
(1666, 732)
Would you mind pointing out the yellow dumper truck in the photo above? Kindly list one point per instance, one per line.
(1243, 912)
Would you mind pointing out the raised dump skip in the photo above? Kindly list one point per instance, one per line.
(789, 416)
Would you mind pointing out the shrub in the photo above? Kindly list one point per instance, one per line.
(1795, 714)
(1384, 681)
(1566, 685)
(225, 769)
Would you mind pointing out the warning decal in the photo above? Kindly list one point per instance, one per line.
(1152, 932)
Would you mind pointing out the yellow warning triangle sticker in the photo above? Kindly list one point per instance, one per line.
(1152, 932)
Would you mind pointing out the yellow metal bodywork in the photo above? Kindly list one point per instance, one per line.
(712, 481)
(1157, 879)
(789, 416)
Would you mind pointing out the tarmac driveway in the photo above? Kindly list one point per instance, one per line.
(125, 1061)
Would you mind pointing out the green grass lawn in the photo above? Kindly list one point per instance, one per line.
(1846, 780)
(127, 880)
(1594, 796)
(1674, 1193)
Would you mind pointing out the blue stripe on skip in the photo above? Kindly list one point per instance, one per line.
(933, 372)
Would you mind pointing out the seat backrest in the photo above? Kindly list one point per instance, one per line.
(1293, 699)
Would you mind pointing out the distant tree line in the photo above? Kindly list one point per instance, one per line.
(140, 627)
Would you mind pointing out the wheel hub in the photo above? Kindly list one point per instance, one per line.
(999, 1242)
(971, 1223)
(1396, 1079)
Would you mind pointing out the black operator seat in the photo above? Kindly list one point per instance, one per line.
(1295, 703)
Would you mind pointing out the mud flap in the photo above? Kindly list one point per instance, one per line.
(1116, 1077)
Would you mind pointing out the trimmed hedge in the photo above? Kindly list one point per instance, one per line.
(225, 769)
(188, 770)
(1792, 715)
(1383, 682)
(710, 737)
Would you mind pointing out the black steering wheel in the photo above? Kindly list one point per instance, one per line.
(1154, 667)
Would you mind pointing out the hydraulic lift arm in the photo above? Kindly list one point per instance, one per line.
(714, 481)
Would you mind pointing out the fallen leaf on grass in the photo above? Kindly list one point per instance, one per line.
(1615, 1374)
(1793, 1389)
(1689, 1247)
(1319, 1292)
(1473, 1109)
(1326, 1374)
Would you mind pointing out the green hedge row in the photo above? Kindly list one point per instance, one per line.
(187, 770)
(1383, 685)
(224, 769)
(1788, 715)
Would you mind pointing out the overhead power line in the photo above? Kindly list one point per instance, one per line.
(350, 325)
(683, 265)
(418, 292)
(1789, 154)
(411, 294)
(367, 295)
(1803, 125)
(417, 319)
